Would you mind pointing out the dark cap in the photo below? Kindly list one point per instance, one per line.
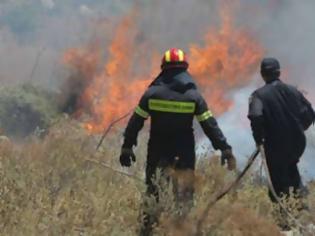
(270, 65)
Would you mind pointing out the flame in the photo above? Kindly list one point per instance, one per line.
(114, 90)
(227, 61)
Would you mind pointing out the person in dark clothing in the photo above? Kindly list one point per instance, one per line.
(279, 115)
(172, 101)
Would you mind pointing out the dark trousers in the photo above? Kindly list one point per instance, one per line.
(174, 164)
(284, 173)
(166, 164)
(286, 179)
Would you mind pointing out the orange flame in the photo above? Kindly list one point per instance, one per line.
(227, 61)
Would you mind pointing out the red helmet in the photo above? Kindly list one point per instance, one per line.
(174, 58)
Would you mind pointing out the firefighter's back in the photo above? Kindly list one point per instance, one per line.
(171, 102)
(281, 104)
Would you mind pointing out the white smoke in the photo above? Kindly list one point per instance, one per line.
(285, 28)
(236, 127)
(86, 11)
(50, 4)
(287, 32)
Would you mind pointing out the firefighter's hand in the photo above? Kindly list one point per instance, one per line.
(228, 157)
(127, 155)
(260, 143)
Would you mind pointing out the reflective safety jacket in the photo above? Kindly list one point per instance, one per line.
(279, 114)
(172, 101)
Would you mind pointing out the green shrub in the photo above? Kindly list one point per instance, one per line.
(25, 109)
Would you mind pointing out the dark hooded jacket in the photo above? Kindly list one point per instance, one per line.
(279, 114)
(172, 101)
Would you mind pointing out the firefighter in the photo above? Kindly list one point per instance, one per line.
(172, 101)
(279, 115)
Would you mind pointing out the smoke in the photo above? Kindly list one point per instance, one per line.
(224, 57)
(50, 4)
(284, 29)
(48, 28)
(287, 33)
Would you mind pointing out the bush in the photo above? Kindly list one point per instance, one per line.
(24, 109)
(50, 187)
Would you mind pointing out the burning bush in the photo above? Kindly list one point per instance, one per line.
(25, 109)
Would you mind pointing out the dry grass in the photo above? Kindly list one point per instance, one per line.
(47, 187)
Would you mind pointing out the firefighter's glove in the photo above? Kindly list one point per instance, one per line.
(228, 157)
(127, 155)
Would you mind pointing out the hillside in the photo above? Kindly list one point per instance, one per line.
(49, 187)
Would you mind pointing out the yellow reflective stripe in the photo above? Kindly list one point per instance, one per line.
(168, 56)
(141, 112)
(181, 55)
(204, 116)
(171, 106)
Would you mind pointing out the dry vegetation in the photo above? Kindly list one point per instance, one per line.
(48, 187)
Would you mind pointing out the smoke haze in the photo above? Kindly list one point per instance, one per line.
(42, 30)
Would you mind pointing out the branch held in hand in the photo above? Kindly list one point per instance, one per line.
(111, 125)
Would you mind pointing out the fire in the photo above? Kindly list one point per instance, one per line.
(114, 90)
(226, 62)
